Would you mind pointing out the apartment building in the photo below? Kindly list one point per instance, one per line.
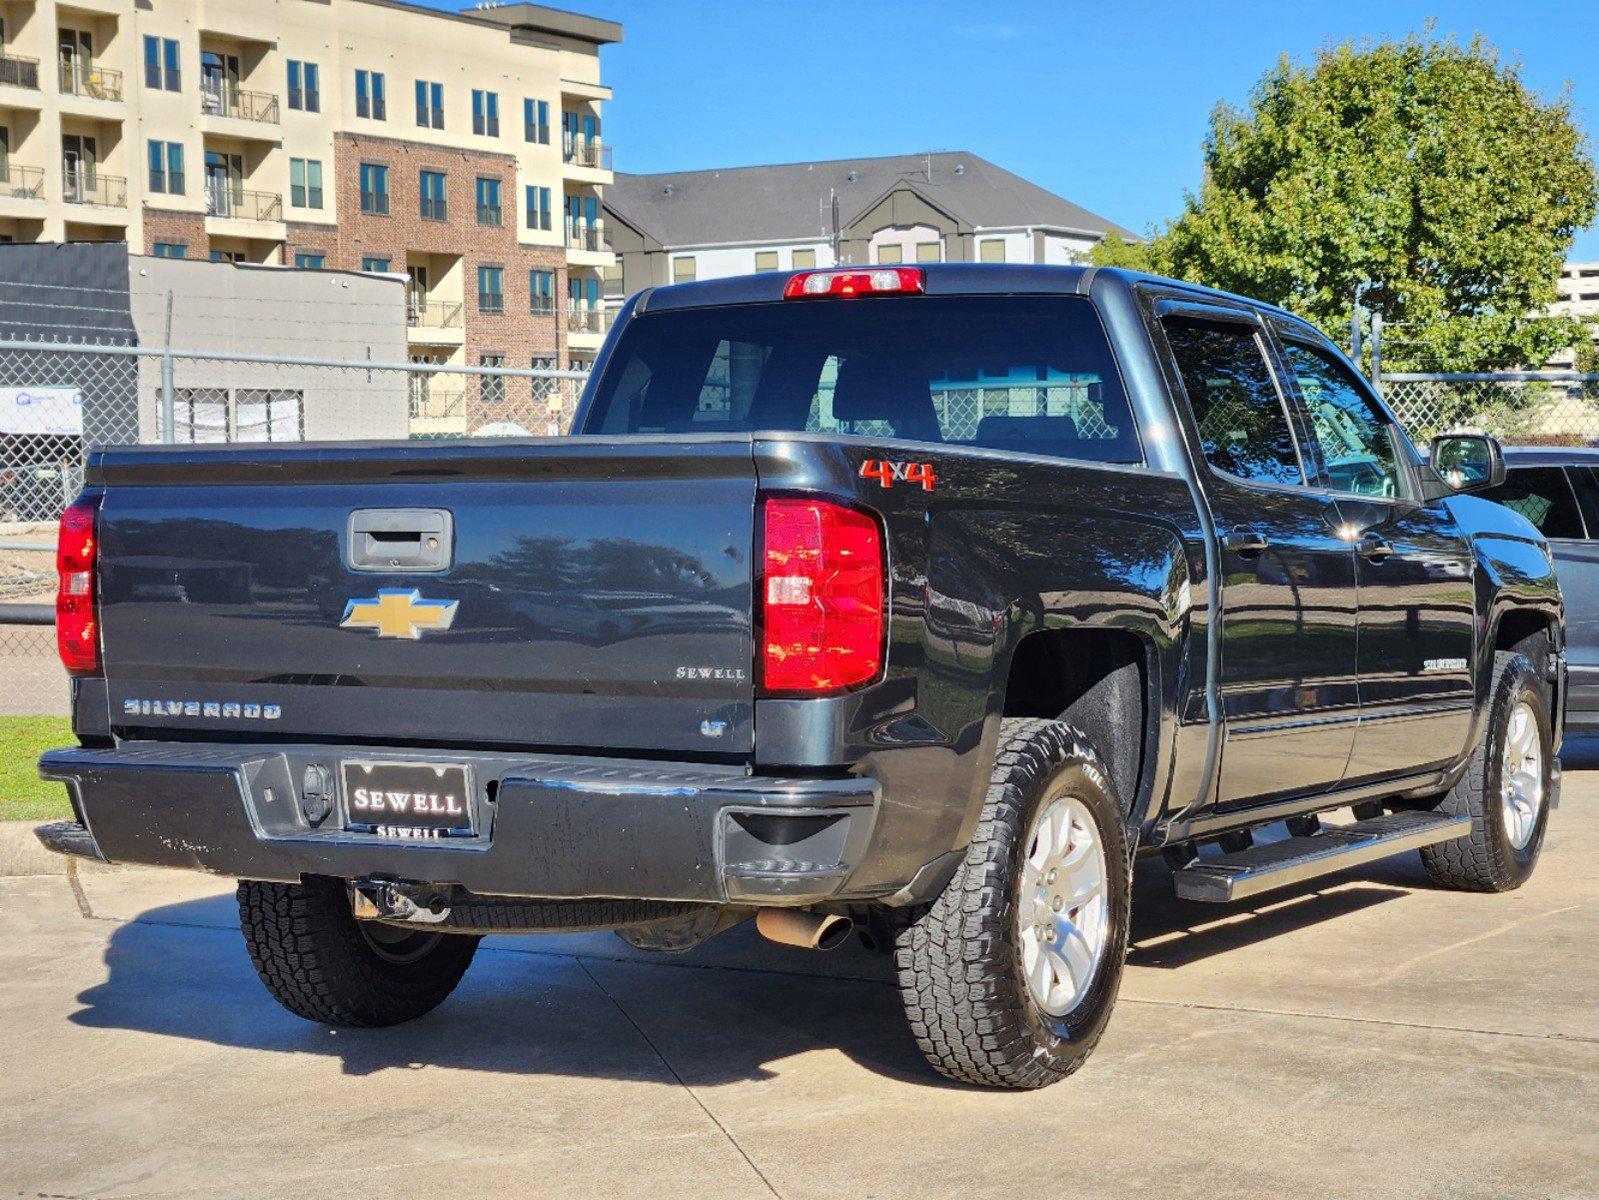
(946, 206)
(463, 151)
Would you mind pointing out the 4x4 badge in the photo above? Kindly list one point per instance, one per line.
(399, 613)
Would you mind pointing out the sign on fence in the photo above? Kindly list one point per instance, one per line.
(56, 411)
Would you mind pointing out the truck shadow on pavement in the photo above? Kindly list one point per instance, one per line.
(590, 1006)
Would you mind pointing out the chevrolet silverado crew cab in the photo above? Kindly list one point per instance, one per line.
(914, 600)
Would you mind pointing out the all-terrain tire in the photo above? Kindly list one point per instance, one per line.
(322, 964)
(960, 963)
(1486, 859)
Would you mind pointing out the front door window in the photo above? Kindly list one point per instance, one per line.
(1359, 452)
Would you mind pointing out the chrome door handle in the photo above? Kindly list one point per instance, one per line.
(1245, 541)
(1373, 548)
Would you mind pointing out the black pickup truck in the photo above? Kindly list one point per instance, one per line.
(918, 601)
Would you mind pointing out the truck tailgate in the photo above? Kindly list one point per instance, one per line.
(601, 593)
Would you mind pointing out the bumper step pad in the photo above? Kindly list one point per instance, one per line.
(1278, 864)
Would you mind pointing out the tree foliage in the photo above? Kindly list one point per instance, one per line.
(1423, 165)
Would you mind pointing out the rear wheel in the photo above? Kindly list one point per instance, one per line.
(1009, 978)
(322, 964)
(1505, 791)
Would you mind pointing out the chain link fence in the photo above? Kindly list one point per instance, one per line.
(59, 399)
(1557, 408)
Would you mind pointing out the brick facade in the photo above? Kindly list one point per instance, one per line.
(179, 228)
(517, 334)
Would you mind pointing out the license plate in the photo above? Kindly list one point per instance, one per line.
(408, 800)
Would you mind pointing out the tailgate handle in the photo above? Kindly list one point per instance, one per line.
(400, 540)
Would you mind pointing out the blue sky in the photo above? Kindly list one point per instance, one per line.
(1104, 103)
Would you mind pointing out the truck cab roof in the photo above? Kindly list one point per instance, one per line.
(940, 279)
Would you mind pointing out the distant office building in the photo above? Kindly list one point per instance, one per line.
(950, 206)
(461, 149)
(1579, 297)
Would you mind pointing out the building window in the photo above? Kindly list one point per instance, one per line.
(929, 252)
(209, 414)
(890, 254)
(541, 291)
(991, 250)
(371, 96)
(485, 113)
(161, 71)
(491, 387)
(305, 86)
(171, 250)
(536, 121)
(429, 104)
(683, 269)
(491, 289)
(309, 260)
(766, 260)
(538, 207)
(166, 168)
(378, 266)
(432, 188)
(375, 189)
(804, 260)
(488, 201)
(305, 182)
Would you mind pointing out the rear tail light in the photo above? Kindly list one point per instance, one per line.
(875, 281)
(77, 615)
(822, 587)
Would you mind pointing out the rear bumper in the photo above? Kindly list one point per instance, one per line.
(548, 826)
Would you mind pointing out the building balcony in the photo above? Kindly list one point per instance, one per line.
(435, 323)
(581, 236)
(238, 204)
(438, 404)
(257, 112)
(581, 319)
(591, 154)
(19, 72)
(94, 189)
(89, 80)
(21, 183)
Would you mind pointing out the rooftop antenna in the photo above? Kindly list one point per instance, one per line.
(836, 238)
(929, 166)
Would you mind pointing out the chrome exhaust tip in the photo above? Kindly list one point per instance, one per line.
(808, 931)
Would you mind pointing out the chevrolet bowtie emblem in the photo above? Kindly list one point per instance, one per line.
(399, 613)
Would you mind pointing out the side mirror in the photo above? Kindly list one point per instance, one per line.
(1468, 462)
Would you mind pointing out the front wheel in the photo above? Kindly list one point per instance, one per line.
(1505, 791)
(1009, 978)
(322, 964)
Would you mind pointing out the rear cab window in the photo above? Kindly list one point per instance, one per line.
(1030, 374)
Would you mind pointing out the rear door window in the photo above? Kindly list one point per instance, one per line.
(1543, 495)
(1243, 426)
(1029, 374)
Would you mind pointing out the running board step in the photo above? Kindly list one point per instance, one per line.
(1292, 860)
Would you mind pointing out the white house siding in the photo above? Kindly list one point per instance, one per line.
(720, 262)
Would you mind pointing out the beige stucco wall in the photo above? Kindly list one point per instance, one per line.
(277, 312)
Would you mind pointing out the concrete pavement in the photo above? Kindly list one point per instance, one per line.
(1370, 1037)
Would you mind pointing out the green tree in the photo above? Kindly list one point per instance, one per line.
(1113, 251)
(1423, 165)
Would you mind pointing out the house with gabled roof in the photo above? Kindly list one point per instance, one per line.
(942, 206)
